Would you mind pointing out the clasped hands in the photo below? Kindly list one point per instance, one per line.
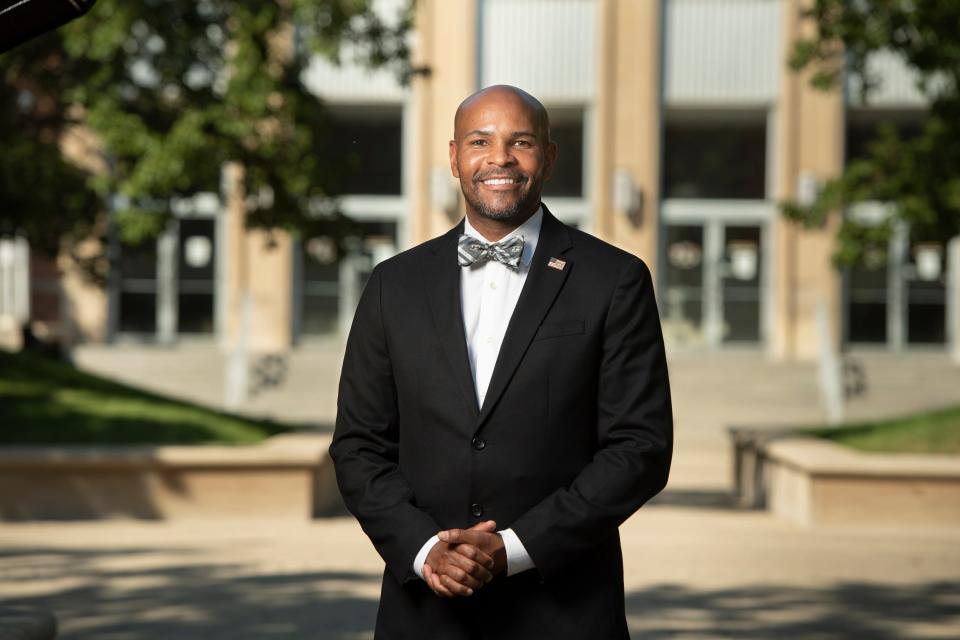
(464, 560)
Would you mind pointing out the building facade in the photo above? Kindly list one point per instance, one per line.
(680, 130)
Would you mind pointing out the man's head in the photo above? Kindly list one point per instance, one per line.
(502, 153)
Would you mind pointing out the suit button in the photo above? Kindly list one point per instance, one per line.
(476, 510)
(478, 443)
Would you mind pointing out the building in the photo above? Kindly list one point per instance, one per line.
(680, 129)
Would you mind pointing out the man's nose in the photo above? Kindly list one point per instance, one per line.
(501, 155)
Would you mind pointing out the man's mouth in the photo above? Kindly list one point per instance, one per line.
(501, 182)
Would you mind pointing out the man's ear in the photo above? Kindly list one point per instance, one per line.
(453, 159)
(550, 156)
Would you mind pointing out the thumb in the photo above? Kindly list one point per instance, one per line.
(450, 535)
(487, 525)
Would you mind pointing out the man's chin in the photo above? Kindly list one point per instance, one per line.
(502, 212)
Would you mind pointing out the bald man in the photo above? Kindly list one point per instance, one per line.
(504, 405)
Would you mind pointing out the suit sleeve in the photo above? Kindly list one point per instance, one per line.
(635, 436)
(365, 443)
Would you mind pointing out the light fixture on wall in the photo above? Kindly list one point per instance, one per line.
(444, 195)
(743, 259)
(627, 196)
(808, 188)
(929, 260)
(197, 251)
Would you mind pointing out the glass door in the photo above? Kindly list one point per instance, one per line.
(684, 296)
(900, 300)
(741, 273)
(926, 297)
(137, 288)
(714, 283)
(196, 281)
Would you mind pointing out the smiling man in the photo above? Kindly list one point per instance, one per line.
(504, 405)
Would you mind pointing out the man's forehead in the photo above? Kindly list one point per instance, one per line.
(494, 109)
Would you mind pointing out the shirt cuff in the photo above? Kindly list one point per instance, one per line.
(518, 560)
(422, 555)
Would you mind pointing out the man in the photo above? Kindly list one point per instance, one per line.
(504, 405)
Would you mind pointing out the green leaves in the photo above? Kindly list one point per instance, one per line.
(917, 176)
(172, 89)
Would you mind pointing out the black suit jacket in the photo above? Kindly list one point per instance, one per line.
(575, 434)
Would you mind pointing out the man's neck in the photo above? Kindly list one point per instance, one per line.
(494, 230)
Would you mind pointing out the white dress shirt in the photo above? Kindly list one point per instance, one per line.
(488, 293)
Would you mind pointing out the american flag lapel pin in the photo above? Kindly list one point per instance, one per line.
(557, 263)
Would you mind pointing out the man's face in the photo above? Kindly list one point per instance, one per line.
(501, 156)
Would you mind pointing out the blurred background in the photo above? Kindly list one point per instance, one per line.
(193, 194)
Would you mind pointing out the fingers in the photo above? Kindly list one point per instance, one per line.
(455, 587)
(472, 568)
(461, 571)
(452, 573)
(476, 554)
(433, 581)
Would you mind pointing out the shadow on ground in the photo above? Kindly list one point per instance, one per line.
(137, 594)
(187, 601)
(695, 498)
(844, 610)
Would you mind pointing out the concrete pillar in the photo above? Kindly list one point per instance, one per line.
(446, 54)
(627, 173)
(83, 304)
(260, 267)
(810, 131)
(953, 299)
(167, 299)
(271, 290)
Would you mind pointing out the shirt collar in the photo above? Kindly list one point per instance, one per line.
(529, 230)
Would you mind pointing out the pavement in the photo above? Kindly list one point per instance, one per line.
(694, 567)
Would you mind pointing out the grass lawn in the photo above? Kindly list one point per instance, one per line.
(933, 432)
(47, 402)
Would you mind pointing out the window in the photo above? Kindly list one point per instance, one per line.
(715, 155)
(863, 127)
(365, 146)
(327, 282)
(566, 129)
(196, 278)
(867, 299)
(138, 287)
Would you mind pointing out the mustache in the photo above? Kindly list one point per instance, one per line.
(501, 173)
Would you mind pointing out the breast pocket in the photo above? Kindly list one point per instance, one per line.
(557, 329)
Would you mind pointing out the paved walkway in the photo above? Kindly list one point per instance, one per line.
(694, 568)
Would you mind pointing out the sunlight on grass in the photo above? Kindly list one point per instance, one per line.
(932, 432)
(44, 401)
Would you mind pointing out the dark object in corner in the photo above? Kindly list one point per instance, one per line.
(27, 623)
(22, 20)
(52, 349)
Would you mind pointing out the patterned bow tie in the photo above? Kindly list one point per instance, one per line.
(506, 252)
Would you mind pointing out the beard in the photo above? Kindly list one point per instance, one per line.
(529, 199)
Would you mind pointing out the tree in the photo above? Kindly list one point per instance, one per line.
(918, 176)
(171, 90)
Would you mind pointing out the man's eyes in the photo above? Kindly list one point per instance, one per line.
(480, 142)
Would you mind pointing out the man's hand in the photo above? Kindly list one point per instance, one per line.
(482, 538)
(460, 569)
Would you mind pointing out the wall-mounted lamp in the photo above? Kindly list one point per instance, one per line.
(929, 258)
(627, 196)
(444, 195)
(743, 259)
(808, 188)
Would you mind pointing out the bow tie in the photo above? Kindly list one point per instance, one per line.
(470, 250)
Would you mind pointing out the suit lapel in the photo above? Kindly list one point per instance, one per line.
(539, 291)
(442, 282)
